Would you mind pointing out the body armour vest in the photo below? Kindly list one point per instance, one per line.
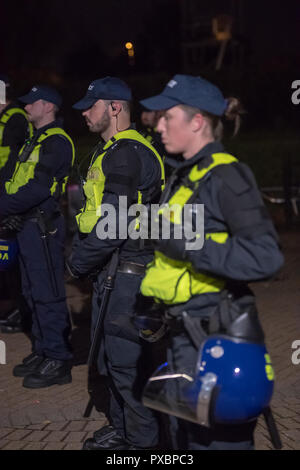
(94, 186)
(5, 150)
(25, 167)
(171, 281)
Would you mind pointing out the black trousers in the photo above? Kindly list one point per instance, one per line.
(127, 360)
(50, 316)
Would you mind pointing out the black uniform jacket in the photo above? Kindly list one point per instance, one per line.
(55, 161)
(128, 168)
(232, 204)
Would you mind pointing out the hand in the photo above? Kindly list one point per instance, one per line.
(10, 225)
(70, 270)
(172, 248)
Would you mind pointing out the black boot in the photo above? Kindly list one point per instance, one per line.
(49, 372)
(11, 323)
(106, 438)
(29, 365)
(13, 315)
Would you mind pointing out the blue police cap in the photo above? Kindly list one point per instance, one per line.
(108, 88)
(189, 90)
(41, 92)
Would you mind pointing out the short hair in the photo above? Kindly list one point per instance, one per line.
(126, 105)
(55, 107)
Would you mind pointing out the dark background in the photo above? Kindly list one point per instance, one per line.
(68, 44)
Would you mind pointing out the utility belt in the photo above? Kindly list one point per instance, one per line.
(235, 316)
(45, 220)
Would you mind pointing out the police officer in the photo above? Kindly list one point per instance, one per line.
(149, 120)
(124, 165)
(240, 243)
(14, 130)
(32, 193)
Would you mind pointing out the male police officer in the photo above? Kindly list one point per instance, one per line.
(240, 245)
(32, 193)
(124, 166)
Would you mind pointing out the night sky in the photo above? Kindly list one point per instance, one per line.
(66, 42)
(63, 34)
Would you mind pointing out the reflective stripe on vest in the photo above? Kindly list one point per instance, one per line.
(5, 150)
(24, 171)
(172, 281)
(94, 186)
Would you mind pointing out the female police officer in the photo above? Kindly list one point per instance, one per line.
(240, 243)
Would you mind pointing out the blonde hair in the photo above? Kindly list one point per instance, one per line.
(232, 113)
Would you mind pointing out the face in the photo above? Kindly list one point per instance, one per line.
(176, 131)
(36, 111)
(97, 117)
(148, 118)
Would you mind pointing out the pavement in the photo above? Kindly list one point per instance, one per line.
(52, 418)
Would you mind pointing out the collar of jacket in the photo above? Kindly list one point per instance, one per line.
(13, 104)
(113, 138)
(56, 123)
(212, 147)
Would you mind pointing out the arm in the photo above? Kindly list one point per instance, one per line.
(16, 131)
(56, 159)
(242, 259)
(122, 171)
(233, 203)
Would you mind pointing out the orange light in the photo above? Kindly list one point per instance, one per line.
(129, 45)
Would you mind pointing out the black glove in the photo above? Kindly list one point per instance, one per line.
(11, 225)
(174, 249)
(73, 273)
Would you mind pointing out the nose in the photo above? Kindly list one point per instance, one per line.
(161, 124)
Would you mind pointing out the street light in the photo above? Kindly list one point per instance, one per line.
(130, 52)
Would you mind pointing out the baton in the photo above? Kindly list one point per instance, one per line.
(272, 428)
(44, 237)
(96, 341)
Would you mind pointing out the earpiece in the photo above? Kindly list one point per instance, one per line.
(112, 107)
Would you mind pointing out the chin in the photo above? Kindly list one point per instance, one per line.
(169, 148)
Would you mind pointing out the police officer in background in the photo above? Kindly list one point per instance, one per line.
(14, 130)
(123, 165)
(149, 120)
(32, 197)
(240, 243)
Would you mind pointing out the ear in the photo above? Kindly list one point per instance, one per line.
(116, 108)
(197, 122)
(49, 107)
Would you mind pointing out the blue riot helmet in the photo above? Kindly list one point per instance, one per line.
(233, 379)
(8, 253)
(233, 383)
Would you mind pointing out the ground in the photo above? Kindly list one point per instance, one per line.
(52, 418)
